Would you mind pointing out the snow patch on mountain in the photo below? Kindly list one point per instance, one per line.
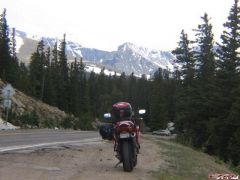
(19, 43)
(93, 68)
(128, 58)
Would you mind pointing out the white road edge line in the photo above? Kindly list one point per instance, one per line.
(83, 141)
(36, 133)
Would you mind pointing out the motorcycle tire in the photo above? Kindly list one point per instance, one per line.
(127, 156)
(135, 153)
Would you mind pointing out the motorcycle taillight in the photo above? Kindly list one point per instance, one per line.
(125, 128)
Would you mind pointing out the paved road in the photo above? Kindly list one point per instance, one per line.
(25, 139)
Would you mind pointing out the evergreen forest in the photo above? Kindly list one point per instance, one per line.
(202, 95)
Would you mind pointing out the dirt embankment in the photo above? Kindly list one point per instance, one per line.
(22, 103)
(88, 162)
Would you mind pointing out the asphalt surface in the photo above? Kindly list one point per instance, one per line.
(27, 139)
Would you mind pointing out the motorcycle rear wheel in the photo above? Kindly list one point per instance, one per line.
(127, 156)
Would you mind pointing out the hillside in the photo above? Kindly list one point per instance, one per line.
(22, 103)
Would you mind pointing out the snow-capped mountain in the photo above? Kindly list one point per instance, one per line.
(140, 60)
(128, 58)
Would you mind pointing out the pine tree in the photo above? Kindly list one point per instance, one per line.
(141, 96)
(116, 94)
(73, 88)
(141, 93)
(55, 73)
(186, 88)
(158, 112)
(132, 83)
(62, 96)
(229, 58)
(205, 56)
(225, 129)
(92, 81)
(233, 124)
(184, 55)
(23, 84)
(122, 86)
(5, 55)
(79, 103)
(48, 89)
(12, 69)
(205, 94)
(103, 98)
(82, 86)
(85, 116)
(37, 71)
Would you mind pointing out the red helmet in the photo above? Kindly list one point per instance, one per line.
(122, 110)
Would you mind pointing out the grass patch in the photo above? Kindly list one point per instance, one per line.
(236, 169)
(184, 163)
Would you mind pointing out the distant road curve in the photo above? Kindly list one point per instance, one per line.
(27, 139)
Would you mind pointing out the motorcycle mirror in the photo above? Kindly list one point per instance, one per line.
(107, 116)
(142, 111)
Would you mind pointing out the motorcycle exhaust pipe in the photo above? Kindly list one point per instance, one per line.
(133, 134)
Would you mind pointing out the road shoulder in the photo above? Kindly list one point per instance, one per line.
(77, 161)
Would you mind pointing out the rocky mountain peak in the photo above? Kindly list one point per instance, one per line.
(128, 58)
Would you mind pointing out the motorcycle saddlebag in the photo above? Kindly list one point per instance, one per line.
(106, 131)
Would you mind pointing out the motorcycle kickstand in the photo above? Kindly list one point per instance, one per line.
(117, 164)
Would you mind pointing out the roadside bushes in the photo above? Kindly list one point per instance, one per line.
(50, 123)
(27, 120)
(83, 122)
(32, 120)
(68, 122)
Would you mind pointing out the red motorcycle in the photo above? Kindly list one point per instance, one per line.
(125, 132)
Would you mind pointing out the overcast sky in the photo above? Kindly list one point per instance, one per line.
(105, 24)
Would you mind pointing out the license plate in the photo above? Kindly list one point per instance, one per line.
(124, 135)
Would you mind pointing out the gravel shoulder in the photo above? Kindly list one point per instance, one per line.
(78, 161)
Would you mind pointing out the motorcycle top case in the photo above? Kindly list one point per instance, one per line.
(106, 131)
